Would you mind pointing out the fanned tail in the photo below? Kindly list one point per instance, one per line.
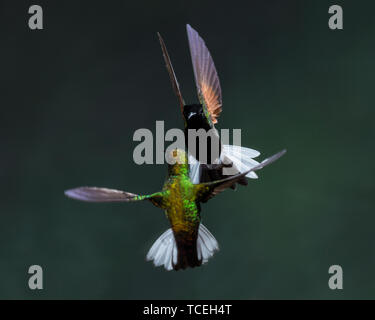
(180, 254)
(242, 158)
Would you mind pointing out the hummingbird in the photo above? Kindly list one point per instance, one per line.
(204, 115)
(188, 243)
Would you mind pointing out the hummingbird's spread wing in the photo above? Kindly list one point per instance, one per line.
(206, 191)
(171, 73)
(94, 194)
(206, 78)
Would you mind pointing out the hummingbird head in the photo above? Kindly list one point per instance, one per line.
(193, 115)
(177, 159)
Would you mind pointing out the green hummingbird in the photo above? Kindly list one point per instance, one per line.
(188, 243)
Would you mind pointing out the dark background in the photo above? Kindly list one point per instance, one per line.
(72, 95)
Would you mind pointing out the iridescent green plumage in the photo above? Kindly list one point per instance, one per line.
(182, 209)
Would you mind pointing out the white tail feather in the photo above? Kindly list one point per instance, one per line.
(206, 244)
(241, 158)
(164, 249)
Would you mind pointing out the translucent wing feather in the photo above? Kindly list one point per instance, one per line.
(171, 73)
(94, 194)
(206, 78)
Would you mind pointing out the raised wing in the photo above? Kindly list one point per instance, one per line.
(171, 73)
(206, 191)
(206, 78)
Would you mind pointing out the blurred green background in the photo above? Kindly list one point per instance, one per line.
(73, 94)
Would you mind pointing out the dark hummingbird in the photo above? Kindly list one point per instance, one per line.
(187, 243)
(204, 115)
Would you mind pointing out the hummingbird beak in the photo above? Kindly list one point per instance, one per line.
(190, 115)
